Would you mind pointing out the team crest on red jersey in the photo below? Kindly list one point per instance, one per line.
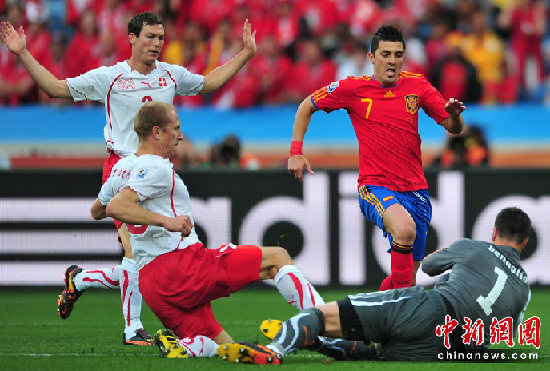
(125, 84)
(411, 102)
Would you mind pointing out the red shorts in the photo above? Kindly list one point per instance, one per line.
(107, 168)
(179, 286)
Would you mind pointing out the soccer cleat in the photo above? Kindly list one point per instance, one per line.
(168, 345)
(270, 328)
(244, 352)
(141, 337)
(70, 294)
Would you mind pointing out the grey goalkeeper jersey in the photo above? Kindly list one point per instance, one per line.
(486, 281)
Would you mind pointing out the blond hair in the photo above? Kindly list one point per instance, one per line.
(151, 114)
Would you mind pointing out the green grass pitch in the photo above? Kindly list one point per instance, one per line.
(33, 337)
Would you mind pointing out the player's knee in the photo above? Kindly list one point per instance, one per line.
(317, 315)
(405, 233)
(274, 258)
(281, 257)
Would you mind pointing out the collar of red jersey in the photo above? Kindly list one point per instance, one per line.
(384, 86)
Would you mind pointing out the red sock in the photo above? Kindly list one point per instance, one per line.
(386, 284)
(401, 265)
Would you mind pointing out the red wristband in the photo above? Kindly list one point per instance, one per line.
(296, 147)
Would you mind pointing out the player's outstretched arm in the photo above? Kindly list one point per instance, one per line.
(222, 74)
(454, 123)
(297, 162)
(124, 207)
(16, 42)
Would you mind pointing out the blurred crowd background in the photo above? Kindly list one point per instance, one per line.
(492, 52)
(487, 52)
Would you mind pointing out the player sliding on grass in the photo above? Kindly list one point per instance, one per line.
(487, 282)
(124, 88)
(178, 276)
(383, 108)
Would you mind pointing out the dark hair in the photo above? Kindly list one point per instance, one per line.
(149, 115)
(230, 149)
(513, 223)
(136, 23)
(386, 32)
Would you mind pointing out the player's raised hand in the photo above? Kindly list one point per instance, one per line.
(16, 41)
(180, 223)
(454, 107)
(296, 166)
(249, 38)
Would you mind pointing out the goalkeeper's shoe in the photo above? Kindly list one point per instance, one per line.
(270, 327)
(168, 345)
(141, 337)
(244, 352)
(70, 294)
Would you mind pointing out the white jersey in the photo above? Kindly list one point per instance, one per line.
(124, 91)
(162, 191)
(117, 180)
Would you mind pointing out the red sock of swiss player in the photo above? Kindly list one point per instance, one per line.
(386, 284)
(401, 265)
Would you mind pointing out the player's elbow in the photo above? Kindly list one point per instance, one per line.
(209, 84)
(112, 208)
(51, 93)
(306, 107)
(305, 110)
(54, 95)
(97, 213)
(59, 89)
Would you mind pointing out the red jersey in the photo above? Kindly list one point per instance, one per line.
(385, 120)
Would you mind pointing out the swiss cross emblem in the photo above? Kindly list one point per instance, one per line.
(162, 81)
